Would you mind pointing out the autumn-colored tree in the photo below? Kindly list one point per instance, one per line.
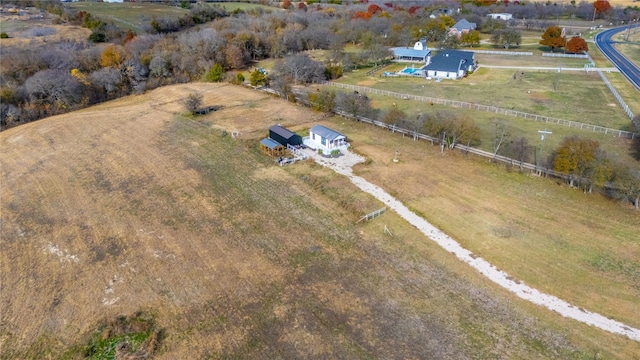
(112, 56)
(374, 9)
(575, 156)
(129, 35)
(577, 45)
(601, 6)
(553, 38)
(286, 4)
(362, 15)
(413, 10)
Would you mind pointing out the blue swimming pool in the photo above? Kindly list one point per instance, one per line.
(409, 71)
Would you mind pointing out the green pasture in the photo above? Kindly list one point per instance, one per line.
(10, 26)
(618, 149)
(531, 92)
(129, 16)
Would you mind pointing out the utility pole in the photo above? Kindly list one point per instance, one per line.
(542, 134)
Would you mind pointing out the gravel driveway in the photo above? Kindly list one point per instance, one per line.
(344, 163)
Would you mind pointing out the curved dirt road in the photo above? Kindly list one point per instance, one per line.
(342, 165)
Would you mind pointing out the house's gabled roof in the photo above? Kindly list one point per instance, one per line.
(464, 25)
(409, 52)
(284, 132)
(326, 133)
(451, 60)
(271, 144)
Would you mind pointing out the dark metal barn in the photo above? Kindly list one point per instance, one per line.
(284, 136)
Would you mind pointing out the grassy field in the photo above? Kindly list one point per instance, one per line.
(129, 16)
(631, 49)
(532, 92)
(616, 148)
(129, 213)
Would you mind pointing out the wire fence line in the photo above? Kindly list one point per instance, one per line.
(493, 109)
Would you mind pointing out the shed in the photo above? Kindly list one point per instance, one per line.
(284, 136)
(419, 52)
(272, 147)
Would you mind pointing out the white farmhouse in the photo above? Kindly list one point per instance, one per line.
(324, 139)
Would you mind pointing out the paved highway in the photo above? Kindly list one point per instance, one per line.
(627, 68)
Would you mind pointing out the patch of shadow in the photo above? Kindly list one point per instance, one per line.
(507, 231)
(110, 247)
(102, 181)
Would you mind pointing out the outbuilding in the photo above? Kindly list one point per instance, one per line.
(272, 147)
(284, 136)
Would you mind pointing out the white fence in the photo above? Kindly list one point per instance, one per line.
(494, 109)
(579, 56)
(624, 105)
(497, 52)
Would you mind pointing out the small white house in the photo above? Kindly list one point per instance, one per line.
(325, 139)
(501, 16)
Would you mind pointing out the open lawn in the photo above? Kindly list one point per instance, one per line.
(531, 92)
(130, 213)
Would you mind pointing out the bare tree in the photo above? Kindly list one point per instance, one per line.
(192, 102)
(501, 135)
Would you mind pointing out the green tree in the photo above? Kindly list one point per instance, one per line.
(324, 101)
(215, 74)
(471, 38)
(553, 38)
(257, 78)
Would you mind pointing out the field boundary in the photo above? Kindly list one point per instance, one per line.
(494, 109)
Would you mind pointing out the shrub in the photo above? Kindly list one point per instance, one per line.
(3, 35)
(215, 74)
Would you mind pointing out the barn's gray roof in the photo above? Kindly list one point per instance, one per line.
(410, 52)
(271, 144)
(282, 131)
(326, 133)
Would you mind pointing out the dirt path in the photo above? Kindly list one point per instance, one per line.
(343, 164)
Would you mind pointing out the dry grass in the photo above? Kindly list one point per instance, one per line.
(128, 206)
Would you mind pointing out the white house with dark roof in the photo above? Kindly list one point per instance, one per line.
(450, 64)
(462, 27)
(419, 53)
(325, 139)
